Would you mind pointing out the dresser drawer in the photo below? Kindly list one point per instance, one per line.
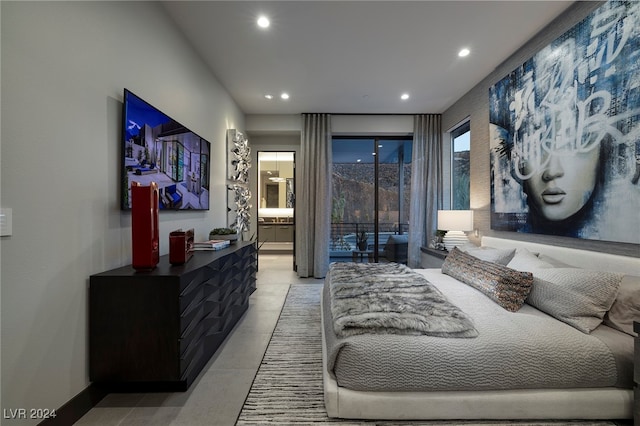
(191, 339)
(226, 263)
(190, 363)
(191, 280)
(189, 321)
(212, 304)
(191, 291)
(194, 311)
(266, 233)
(284, 233)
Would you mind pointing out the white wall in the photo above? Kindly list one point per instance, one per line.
(374, 125)
(363, 125)
(274, 124)
(64, 67)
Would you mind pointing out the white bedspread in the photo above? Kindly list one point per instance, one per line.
(523, 350)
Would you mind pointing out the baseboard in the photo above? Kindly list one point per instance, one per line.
(77, 407)
(275, 251)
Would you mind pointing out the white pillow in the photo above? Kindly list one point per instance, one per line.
(554, 262)
(524, 260)
(626, 307)
(578, 297)
(489, 254)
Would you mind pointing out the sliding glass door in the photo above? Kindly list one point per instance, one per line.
(371, 194)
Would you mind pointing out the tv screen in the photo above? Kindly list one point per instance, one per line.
(158, 149)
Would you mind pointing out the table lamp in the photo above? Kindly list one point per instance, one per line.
(455, 222)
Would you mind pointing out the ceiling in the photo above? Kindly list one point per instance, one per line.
(356, 57)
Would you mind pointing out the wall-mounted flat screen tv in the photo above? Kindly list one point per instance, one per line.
(158, 149)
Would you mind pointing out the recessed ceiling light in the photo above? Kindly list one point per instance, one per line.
(267, 96)
(404, 96)
(464, 52)
(263, 22)
(284, 96)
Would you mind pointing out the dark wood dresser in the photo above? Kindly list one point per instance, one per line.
(156, 330)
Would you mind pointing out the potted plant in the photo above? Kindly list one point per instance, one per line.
(224, 234)
(437, 239)
(361, 240)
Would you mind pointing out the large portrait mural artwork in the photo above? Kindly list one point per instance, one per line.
(565, 133)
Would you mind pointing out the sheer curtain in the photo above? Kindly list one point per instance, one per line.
(313, 200)
(426, 183)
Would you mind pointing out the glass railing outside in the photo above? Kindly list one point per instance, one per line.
(344, 236)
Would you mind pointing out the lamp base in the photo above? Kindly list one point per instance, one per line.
(454, 239)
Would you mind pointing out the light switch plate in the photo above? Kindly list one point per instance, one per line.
(6, 227)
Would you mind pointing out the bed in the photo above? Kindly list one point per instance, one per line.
(525, 364)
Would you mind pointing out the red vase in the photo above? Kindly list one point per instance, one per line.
(144, 226)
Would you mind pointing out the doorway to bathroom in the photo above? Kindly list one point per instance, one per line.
(276, 197)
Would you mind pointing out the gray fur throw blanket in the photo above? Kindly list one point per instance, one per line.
(391, 298)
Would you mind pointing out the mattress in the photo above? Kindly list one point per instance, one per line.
(527, 349)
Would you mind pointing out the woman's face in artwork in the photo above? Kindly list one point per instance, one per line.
(562, 183)
(557, 138)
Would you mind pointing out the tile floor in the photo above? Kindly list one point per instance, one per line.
(217, 395)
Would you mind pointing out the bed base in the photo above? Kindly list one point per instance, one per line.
(530, 404)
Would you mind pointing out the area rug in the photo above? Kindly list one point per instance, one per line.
(287, 389)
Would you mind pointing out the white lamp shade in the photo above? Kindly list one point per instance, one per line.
(455, 222)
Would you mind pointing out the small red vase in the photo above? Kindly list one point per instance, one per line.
(144, 226)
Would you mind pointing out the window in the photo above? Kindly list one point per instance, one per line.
(460, 177)
(371, 186)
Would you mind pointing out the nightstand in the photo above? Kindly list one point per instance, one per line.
(636, 375)
(434, 258)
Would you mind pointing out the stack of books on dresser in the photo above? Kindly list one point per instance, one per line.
(211, 245)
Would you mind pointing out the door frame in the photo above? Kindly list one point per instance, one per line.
(377, 140)
(295, 183)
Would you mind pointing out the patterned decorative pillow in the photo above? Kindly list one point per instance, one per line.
(578, 297)
(507, 287)
(626, 307)
(490, 254)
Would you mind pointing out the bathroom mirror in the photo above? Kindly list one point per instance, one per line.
(275, 180)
